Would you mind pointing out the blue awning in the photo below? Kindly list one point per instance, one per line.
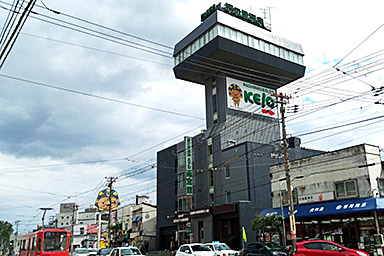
(347, 206)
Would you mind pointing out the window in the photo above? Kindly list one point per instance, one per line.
(33, 244)
(180, 159)
(182, 204)
(380, 185)
(180, 180)
(346, 189)
(228, 197)
(210, 156)
(81, 231)
(227, 172)
(39, 245)
(314, 246)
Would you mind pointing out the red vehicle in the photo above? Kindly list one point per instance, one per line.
(47, 242)
(321, 248)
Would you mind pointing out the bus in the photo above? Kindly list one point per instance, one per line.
(47, 242)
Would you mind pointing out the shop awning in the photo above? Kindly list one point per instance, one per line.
(347, 206)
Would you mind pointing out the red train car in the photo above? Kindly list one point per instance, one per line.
(47, 242)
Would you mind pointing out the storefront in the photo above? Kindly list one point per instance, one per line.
(351, 222)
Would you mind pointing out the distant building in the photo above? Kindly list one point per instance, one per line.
(337, 195)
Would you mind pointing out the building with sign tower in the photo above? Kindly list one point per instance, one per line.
(211, 185)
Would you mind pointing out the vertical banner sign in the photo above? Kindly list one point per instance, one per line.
(188, 165)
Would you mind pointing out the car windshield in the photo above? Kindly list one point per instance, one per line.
(91, 250)
(81, 251)
(55, 241)
(220, 247)
(200, 248)
(130, 251)
(105, 251)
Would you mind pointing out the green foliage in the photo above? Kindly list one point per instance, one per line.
(5, 232)
(270, 223)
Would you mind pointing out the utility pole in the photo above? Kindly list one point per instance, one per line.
(292, 223)
(111, 180)
(45, 210)
(74, 210)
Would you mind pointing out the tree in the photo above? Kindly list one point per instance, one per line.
(6, 230)
(267, 224)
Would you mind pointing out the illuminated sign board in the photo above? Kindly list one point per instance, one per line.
(236, 12)
(250, 98)
(188, 166)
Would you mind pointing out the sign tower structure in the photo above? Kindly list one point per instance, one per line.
(241, 63)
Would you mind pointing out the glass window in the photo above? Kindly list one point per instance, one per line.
(251, 42)
(214, 32)
(39, 244)
(180, 180)
(314, 246)
(180, 159)
(301, 61)
(202, 43)
(346, 188)
(330, 247)
(227, 172)
(266, 48)
(221, 31)
(206, 38)
(228, 197)
(54, 241)
(261, 46)
(227, 32)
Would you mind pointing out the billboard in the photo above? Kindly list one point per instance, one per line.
(250, 98)
(102, 201)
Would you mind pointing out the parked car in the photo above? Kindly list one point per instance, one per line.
(277, 247)
(196, 249)
(124, 251)
(92, 251)
(104, 251)
(256, 249)
(80, 252)
(321, 247)
(222, 249)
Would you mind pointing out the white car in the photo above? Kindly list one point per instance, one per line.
(222, 249)
(196, 249)
(80, 252)
(125, 251)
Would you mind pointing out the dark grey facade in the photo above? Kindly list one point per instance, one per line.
(231, 158)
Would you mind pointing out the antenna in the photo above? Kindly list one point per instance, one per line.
(267, 16)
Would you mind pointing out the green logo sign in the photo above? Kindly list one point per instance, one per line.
(188, 166)
(236, 12)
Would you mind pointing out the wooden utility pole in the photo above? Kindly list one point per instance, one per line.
(74, 210)
(281, 100)
(111, 180)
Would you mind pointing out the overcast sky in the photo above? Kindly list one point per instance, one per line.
(68, 98)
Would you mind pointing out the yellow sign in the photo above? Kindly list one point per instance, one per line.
(102, 201)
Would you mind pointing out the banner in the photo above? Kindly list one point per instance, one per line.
(250, 98)
(188, 165)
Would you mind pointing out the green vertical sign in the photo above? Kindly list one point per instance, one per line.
(188, 165)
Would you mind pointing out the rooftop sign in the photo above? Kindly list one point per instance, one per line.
(236, 12)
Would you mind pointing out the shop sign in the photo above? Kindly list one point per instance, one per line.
(250, 98)
(316, 197)
(236, 12)
(182, 220)
(188, 166)
(200, 212)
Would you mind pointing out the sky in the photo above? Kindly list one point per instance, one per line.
(75, 108)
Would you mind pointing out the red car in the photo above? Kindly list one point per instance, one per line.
(321, 248)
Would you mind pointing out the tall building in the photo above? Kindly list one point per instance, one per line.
(211, 185)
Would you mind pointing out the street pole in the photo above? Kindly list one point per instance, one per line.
(74, 209)
(110, 182)
(282, 216)
(292, 223)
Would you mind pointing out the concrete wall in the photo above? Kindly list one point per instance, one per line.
(322, 171)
